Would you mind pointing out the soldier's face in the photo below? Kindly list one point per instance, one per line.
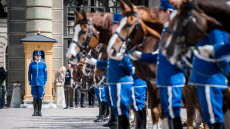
(37, 57)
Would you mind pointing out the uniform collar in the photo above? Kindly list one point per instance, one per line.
(37, 61)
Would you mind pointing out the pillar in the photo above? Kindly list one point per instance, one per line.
(39, 14)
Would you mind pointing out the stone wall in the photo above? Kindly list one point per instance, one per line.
(57, 21)
(3, 42)
(16, 31)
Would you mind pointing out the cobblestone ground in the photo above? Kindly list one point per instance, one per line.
(78, 118)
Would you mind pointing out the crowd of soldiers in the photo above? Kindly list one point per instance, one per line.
(123, 90)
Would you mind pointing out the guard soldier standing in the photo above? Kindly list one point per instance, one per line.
(37, 77)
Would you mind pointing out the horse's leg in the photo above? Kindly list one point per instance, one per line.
(154, 101)
(226, 105)
(188, 93)
(131, 118)
(200, 111)
(147, 104)
(226, 108)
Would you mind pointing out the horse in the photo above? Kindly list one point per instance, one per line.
(146, 72)
(191, 23)
(86, 29)
(133, 30)
(90, 30)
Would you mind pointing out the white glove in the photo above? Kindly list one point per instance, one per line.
(206, 50)
(91, 61)
(135, 55)
(133, 68)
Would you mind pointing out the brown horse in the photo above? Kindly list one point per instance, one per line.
(191, 23)
(147, 72)
(86, 28)
(90, 30)
(137, 22)
(133, 30)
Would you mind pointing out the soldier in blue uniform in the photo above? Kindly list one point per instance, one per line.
(101, 97)
(170, 79)
(209, 74)
(120, 81)
(138, 102)
(37, 76)
(131, 91)
(215, 50)
(107, 89)
(112, 118)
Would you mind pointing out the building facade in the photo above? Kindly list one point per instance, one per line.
(55, 19)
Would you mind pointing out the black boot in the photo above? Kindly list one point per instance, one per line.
(107, 110)
(175, 123)
(140, 118)
(104, 110)
(39, 107)
(123, 122)
(112, 119)
(218, 125)
(100, 117)
(35, 105)
(106, 114)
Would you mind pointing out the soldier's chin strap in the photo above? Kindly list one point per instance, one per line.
(38, 60)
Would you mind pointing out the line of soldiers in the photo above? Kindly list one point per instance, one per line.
(121, 91)
(170, 81)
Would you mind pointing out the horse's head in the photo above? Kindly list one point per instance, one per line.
(187, 26)
(85, 36)
(131, 30)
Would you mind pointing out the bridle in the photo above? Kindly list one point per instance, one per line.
(181, 41)
(181, 37)
(127, 41)
(83, 47)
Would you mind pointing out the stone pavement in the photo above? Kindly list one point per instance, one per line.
(77, 118)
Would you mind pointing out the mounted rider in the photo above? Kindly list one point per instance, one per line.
(209, 75)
